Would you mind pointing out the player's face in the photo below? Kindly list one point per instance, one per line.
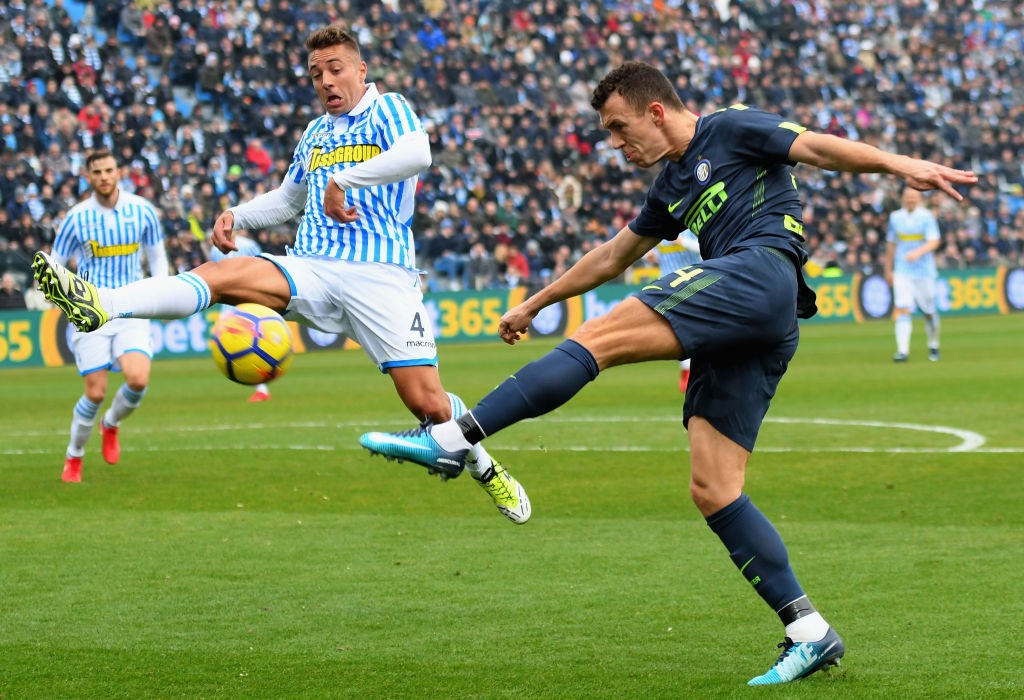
(339, 78)
(634, 133)
(911, 198)
(102, 176)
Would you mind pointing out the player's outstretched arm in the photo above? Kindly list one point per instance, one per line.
(605, 262)
(834, 153)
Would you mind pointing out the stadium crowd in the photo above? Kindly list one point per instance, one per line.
(201, 100)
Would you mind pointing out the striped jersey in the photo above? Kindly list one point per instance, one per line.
(910, 230)
(246, 246)
(673, 255)
(108, 243)
(329, 145)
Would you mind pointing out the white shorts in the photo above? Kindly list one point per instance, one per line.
(908, 292)
(380, 306)
(101, 348)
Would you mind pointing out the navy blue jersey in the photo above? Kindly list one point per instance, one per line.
(733, 188)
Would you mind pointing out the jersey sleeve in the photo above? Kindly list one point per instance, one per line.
(758, 134)
(67, 244)
(154, 230)
(653, 221)
(931, 229)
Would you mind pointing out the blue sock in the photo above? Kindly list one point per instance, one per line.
(756, 548)
(539, 387)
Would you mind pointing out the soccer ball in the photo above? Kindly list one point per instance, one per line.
(251, 344)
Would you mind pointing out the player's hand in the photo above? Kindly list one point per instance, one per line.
(925, 175)
(223, 232)
(514, 323)
(334, 204)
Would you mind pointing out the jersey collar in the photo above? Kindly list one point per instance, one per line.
(368, 98)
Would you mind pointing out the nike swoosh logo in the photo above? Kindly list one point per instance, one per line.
(673, 207)
(387, 440)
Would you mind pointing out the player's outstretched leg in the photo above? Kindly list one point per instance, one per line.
(77, 298)
(418, 446)
(801, 659)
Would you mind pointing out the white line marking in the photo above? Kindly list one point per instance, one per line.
(969, 441)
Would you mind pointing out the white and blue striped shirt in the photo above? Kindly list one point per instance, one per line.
(676, 254)
(108, 243)
(329, 145)
(910, 230)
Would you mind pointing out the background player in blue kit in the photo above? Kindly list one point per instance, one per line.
(728, 177)
(352, 269)
(675, 255)
(107, 235)
(911, 241)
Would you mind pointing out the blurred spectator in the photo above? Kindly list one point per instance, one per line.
(504, 90)
(10, 295)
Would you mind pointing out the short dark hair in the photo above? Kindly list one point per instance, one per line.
(96, 155)
(639, 84)
(332, 35)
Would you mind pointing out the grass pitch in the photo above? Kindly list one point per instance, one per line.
(254, 551)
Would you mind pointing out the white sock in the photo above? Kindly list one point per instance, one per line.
(158, 297)
(81, 426)
(903, 328)
(125, 401)
(478, 461)
(809, 628)
(449, 436)
(931, 327)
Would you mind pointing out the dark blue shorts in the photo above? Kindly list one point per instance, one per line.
(735, 316)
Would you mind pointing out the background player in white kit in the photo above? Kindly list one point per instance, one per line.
(675, 255)
(352, 269)
(106, 235)
(912, 239)
(245, 246)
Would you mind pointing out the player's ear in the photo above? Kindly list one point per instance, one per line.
(656, 112)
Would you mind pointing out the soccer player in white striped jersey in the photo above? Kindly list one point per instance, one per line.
(107, 235)
(352, 269)
(911, 241)
(675, 255)
(245, 246)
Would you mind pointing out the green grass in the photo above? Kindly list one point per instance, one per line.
(253, 551)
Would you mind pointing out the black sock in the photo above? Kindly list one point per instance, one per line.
(539, 387)
(756, 548)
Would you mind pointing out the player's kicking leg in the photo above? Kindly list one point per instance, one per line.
(77, 298)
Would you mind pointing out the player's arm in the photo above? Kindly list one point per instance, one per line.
(929, 246)
(605, 262)
(408, 156)
(834, 153)
(156, 258)
(268, 209)
(890, 260)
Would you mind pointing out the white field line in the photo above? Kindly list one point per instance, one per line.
(969, 441)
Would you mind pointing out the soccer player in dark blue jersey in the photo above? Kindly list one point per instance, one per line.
(728, 177)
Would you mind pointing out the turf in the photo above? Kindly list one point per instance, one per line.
(252, 550)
